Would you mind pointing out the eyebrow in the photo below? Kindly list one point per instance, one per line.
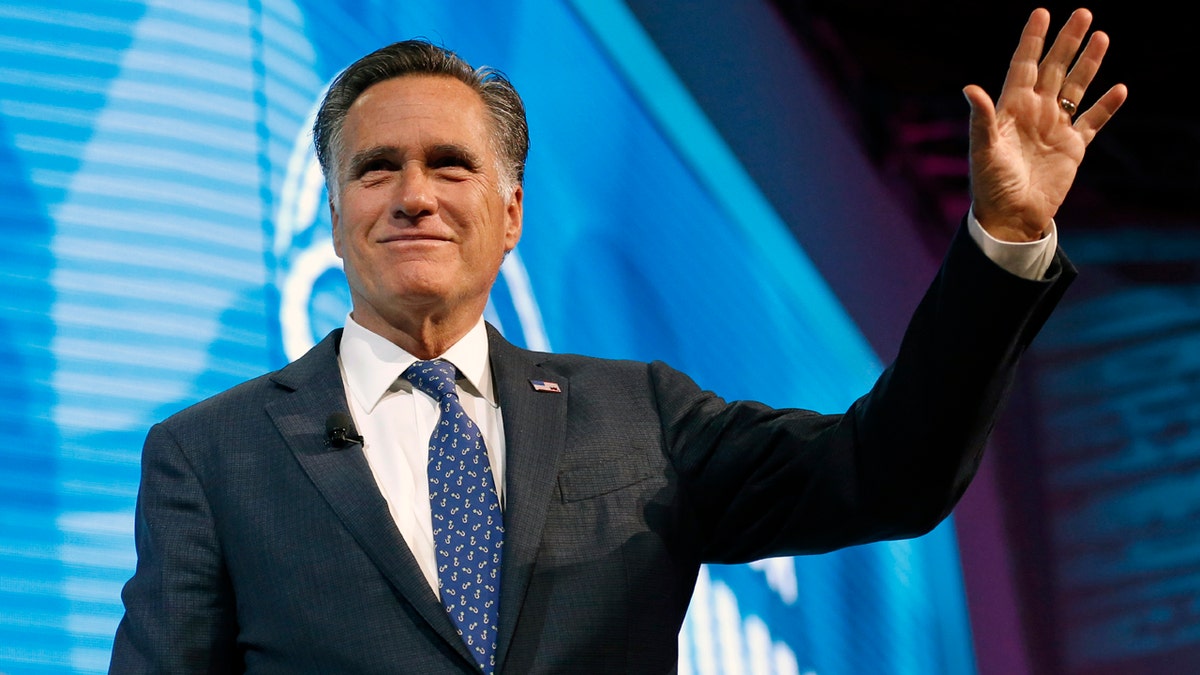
(455, 150)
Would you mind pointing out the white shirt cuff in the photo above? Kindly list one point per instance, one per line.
(1028, 260)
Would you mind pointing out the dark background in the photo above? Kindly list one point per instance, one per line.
(901, 65)
(1099, 472)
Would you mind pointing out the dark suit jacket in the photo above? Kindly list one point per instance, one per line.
(262, 548)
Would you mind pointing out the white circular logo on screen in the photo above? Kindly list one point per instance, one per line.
(313, 296)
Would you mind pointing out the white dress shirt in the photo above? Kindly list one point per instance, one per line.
(1028, 260)
(396, 423)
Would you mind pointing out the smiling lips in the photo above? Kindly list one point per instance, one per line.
(414, 238)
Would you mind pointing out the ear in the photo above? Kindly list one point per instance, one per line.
(337, 229)
(514, 213)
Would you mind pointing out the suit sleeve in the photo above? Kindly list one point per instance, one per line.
(179, 605)
(761, 482)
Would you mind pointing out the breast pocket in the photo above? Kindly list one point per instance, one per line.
(591, 481)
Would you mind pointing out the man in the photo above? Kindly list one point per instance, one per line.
(472, 506)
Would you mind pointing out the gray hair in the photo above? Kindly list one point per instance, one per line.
(510, 131)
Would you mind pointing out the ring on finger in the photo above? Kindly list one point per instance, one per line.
(1068, 105)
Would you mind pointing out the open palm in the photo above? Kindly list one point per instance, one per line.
(1027, 147)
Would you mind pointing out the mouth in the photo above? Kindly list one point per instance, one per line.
(414, 239)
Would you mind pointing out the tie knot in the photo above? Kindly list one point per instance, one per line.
(435, 378)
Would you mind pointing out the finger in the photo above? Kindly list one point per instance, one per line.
(1075, 85)
(1054, 67)
(1099, 114)
(983, 115)
(981, 103)
(1023, 69)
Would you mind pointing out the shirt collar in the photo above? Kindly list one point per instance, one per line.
(372, 364)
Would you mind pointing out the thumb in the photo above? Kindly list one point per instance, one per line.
(983, 115)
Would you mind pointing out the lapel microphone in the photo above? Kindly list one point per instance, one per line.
(340, 432)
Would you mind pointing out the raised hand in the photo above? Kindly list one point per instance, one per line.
(1026, 148)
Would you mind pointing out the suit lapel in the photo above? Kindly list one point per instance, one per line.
(534, 434)
(344, 478)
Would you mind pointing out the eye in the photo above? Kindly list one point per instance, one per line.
(453, 162)
(450, 163)
(376, 164)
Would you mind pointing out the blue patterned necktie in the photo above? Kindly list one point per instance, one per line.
(468, 527)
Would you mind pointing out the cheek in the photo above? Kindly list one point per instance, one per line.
(353, 230)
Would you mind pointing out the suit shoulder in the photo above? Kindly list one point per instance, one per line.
(579, 365)
(252, 393)
(318, 366)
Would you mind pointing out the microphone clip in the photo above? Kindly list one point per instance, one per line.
(340, 432)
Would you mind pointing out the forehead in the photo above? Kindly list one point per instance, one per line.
(437, 108)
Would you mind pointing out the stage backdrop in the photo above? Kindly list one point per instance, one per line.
(165, 236)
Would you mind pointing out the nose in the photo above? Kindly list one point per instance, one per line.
(413, 197)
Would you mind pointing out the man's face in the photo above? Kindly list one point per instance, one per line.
(419, 218)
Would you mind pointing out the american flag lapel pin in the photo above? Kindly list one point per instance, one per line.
(542, 385)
